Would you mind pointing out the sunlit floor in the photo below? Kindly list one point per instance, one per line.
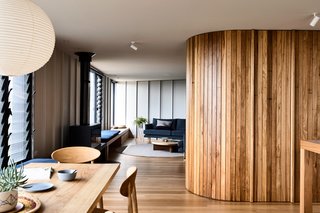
(161, 188)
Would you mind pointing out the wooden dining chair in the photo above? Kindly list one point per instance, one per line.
(75, 154)
(127, 189)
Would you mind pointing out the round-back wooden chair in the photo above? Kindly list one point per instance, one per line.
(127, 189)
(75, 154)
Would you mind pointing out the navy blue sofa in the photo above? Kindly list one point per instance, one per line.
(175, 129)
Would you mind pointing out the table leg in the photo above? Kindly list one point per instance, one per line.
(306, 172)
(106, 151)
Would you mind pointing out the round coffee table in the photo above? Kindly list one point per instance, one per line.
(164, 145)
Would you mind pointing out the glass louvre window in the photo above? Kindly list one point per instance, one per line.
(95, 97)
(3, 143)
(98, 98)
(19, 119)
(15, 118)
(92, 97)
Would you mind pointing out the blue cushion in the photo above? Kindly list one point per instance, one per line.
(154, 122)
(157, 132)
(38, 160)
(181, 124)
(177, 132)
(148, 126)
(108, 134)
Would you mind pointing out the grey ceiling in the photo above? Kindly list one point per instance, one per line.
(160, 28)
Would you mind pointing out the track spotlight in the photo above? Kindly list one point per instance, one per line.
(134, 47)
(314, 20)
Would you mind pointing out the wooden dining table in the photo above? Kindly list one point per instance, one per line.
(307, 147)
(79, 195)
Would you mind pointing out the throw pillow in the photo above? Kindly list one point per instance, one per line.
(162, 124)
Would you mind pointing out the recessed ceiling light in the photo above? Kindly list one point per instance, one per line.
(132, 46)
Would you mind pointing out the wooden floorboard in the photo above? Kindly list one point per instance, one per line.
(161, 188)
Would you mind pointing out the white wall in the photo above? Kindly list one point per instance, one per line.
(150, 99)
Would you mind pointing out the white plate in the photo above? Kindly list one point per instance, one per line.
(37, 187)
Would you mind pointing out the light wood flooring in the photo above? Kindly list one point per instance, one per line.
(161, 188)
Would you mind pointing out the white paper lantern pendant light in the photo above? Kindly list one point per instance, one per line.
(27, 37)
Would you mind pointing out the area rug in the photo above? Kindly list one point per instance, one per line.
(146, 150)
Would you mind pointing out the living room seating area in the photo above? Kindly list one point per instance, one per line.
(167, 128)
(172, 128)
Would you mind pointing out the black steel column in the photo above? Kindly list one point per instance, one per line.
(85, 59)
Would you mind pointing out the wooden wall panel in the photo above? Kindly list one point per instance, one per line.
(272, 115)
(251, 97)
(307, 100)
(225, 166)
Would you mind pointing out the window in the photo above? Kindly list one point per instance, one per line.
(15, 116)
(112, 99)
(96, 97)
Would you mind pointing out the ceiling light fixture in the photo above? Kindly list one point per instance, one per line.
(27, 37)
(314, 20)
(132, 46)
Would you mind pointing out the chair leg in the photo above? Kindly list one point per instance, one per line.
(130, 209)
(134, 200)
(101, 202)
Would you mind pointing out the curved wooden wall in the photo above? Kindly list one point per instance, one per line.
(247, 111)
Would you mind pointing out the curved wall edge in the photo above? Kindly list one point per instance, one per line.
(252, 95)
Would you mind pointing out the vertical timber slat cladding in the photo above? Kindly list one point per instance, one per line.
(273, 123)
(307, 69)
(220, 95)
(252, 96)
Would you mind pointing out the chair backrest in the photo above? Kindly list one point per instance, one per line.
(128, 189)
(75, 154)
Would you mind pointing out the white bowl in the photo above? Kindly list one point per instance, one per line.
(67, 174)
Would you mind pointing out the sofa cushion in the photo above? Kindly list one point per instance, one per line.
(181, 124)
(173, 122)
(177, 132)
(154, 122)
(157, 132)
(163, 124)
(108, 134)
(163, 127)
(148, 126)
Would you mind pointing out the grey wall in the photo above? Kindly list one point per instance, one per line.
(56, 102)
(150, 99)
